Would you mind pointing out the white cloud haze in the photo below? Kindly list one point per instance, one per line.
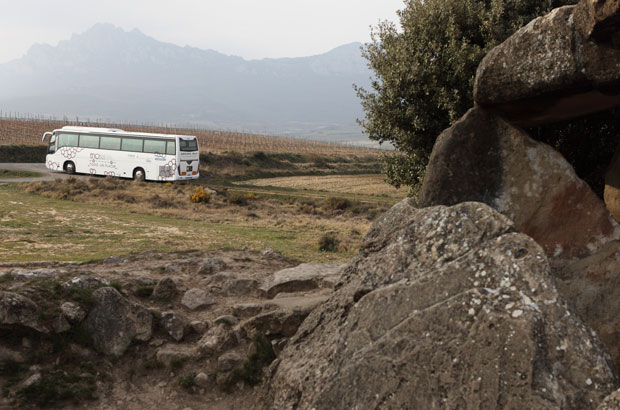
(248, 28)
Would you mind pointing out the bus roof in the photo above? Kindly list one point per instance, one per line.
(116, 131)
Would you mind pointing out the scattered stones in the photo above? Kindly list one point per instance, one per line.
(306, 276)
(114, 322)
(209, 266)
(197, 298)
(398, 332)
(73, 312)
(173, 324)
(166, 289)
(19, 310)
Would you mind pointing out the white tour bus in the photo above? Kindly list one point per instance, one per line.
(114, 152)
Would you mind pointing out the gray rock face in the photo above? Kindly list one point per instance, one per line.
(169, 353)
(443, 307)
(27, 274)
(114, 322)
(534, 186)
(229, 361)
(307, 276)
(197, 298)
(19, 310)
(547, 71)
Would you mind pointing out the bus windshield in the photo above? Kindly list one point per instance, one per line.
(188, 145)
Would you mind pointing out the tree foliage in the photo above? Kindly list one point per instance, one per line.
(425, 70)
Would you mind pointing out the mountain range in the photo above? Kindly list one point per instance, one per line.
(107, 73)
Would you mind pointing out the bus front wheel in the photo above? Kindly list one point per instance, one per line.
(70, 167)
(138, 174)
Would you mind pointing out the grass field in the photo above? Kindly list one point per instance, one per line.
(34, 228)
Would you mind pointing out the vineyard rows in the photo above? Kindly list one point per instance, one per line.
(28, 131)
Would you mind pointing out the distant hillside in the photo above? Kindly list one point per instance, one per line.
(111, 74)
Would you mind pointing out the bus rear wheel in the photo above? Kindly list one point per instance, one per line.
(138, 174)
(70, 167)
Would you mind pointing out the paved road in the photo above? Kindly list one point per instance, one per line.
(46, 174)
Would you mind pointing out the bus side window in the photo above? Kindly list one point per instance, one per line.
(155, 146)
(52, 144)
(89, 141)
(132, 144)
(67, 140)
(170, 149)
(110, 143)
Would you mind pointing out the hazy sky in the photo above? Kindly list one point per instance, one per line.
(247, 28)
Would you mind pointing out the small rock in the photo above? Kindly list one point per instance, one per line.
(245, 310)
(198, 326)
(270, 254)
(306, 276)
(8, 354)
(157, 342)
(196, 298)
(226, 320)
(218, 339)
(26, 274)
(165, 289)
(86, 282)
(31, 380)
(174, 324)
(201, 379)
(211, 265)
(19, 310)
(60, 324)
(229, 361)
(240, 287)
(172, 269)
(146, 281)
(170, 353)
(73, 312)
(115, 259)
(114, 322)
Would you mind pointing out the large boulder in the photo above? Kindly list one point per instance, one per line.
(114, 322)
(547, 71)
(484, 158)
(443, 307)
(598, 19)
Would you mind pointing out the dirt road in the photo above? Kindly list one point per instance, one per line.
(46, 174)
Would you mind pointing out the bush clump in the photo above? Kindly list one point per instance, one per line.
(200, 196)
(328, 243)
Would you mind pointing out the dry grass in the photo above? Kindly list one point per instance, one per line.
(373, 184)
(307, 218)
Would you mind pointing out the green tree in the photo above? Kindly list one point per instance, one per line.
(424, 76)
